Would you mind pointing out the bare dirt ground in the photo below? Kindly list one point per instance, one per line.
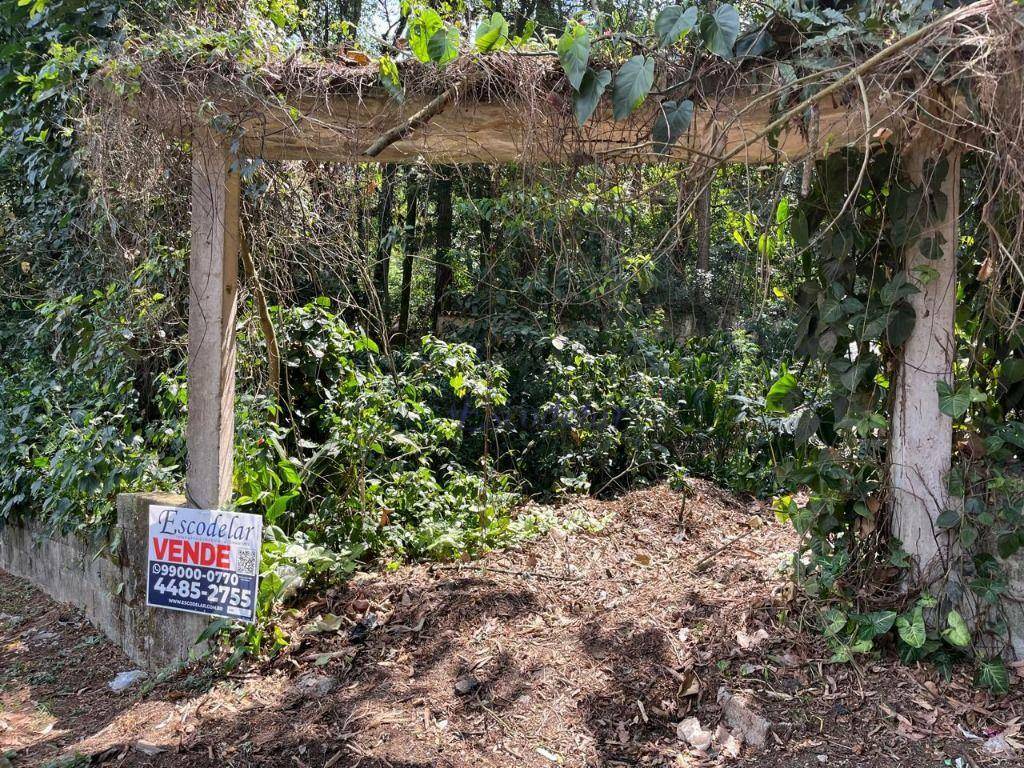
(658, 640)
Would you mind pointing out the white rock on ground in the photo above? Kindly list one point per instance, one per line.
(742, 716)
(692, 732)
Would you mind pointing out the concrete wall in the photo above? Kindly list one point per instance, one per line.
(107, 581)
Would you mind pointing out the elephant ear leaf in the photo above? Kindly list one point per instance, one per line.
(574, 52)
(443, 46)
(720, 30)
(423, 25)
(492, 34)
(633, 82)
(592, 87)
(673, 22)
(672, 122)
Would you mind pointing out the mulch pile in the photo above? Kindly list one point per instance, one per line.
(666, 637)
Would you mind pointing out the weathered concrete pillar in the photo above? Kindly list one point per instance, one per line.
(922, 437)
(152, 637)
(213, 290)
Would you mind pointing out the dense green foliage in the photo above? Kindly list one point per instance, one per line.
(550, 331)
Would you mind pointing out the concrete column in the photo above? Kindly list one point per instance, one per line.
(922, 437)
(213, 290)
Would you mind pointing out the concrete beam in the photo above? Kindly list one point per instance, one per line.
(213, 291)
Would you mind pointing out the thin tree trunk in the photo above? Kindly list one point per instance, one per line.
(702, 213)
(266, 323)
(382, 262)
(442, 251)
(412, 247)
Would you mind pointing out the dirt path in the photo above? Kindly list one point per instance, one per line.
(586, 649)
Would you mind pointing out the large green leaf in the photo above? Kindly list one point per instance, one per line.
(720, 30)
(673, 22)
(806, 426)
(423, 25)
(911, 630)
(443, 46)
(957, 632)
(591, 89)
(492, 34)
(779, 397)
(574, 52)
(633, 82)
(673, 121)
(1011, 370)
(755, 43)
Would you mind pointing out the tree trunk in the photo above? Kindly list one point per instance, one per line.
(266, 322)
(921, 446)
(382, 262)
(412, 247)
(443, 243)
(702, 214)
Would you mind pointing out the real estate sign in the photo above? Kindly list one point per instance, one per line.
(204, 561)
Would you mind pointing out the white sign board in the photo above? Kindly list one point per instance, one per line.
(204, 561)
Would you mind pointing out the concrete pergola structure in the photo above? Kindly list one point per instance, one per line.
(341, 127)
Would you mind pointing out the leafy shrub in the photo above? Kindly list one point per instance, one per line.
(72, 430)
(379, 464)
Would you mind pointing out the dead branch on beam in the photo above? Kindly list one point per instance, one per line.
(432, 107)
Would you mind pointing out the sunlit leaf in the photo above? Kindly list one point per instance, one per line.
(911, 628)
(956, 633)
(492, 34)
(424, 23)
(574, 52)
(778, 397)
(390, 78)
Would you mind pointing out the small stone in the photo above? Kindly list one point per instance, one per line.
(466, 684)
(123, 680)
(691, 731)
(315, 686)
(731, 744)
(743, 718)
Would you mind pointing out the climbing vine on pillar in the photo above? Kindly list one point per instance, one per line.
(871, 250)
